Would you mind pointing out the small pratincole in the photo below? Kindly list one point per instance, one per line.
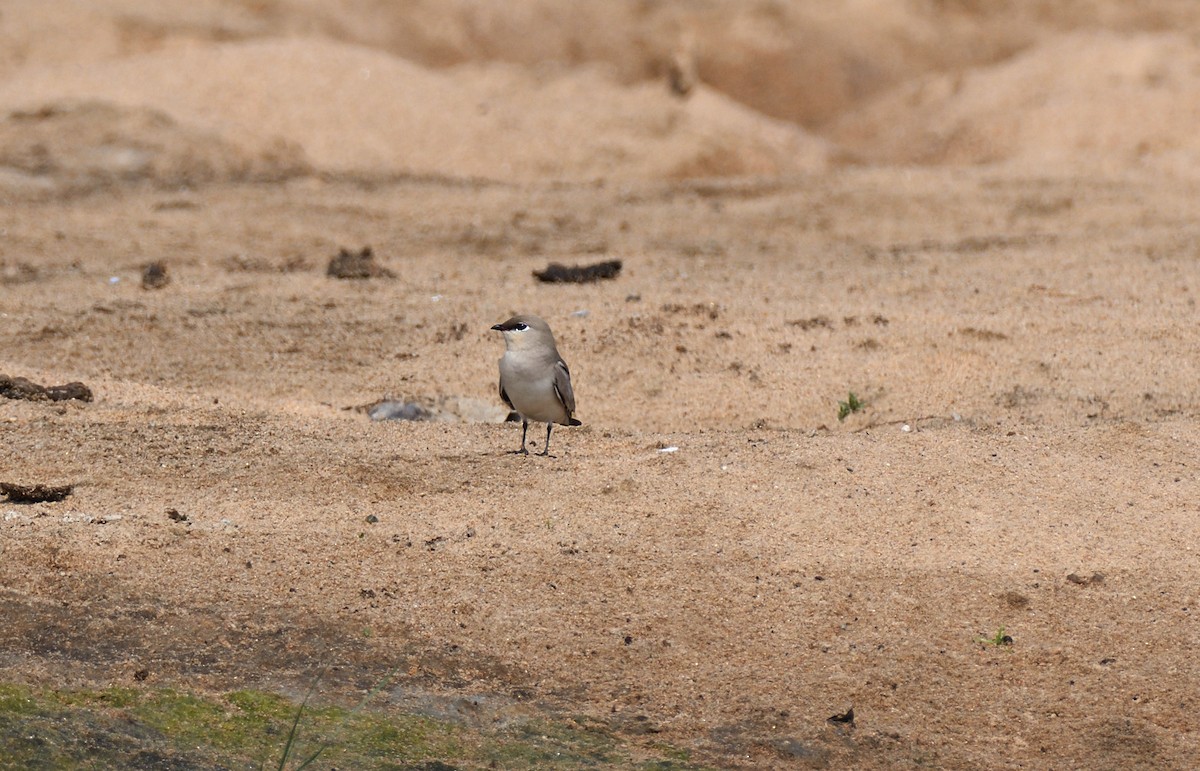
(534, 379)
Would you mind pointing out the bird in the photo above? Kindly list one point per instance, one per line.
(534, 379)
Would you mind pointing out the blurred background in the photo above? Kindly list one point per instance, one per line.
(189, 91)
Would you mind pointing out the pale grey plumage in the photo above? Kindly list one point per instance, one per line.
(534, 379)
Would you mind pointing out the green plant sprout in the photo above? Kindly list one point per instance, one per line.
(852, 405)
(998, 639)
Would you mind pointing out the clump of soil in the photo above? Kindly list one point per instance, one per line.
(23, 388)
(578, 274)
(35, 493)
(361, 264)
(154, 276)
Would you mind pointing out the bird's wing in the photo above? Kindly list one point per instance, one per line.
(504, 396)
(562, 386)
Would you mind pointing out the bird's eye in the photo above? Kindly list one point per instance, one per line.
(522, 326)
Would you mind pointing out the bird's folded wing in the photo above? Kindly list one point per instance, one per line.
(504, 396)
(562, 386)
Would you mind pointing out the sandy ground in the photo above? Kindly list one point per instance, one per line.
(713, 560)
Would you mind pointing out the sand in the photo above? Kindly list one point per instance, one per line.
(984, 228)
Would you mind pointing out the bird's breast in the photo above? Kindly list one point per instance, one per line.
(530, 387)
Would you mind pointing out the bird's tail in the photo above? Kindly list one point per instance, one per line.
(575, 422)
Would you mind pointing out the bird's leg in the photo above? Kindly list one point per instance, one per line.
(524, 430)
(546, 450)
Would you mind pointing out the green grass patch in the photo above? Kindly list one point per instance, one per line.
(17, 700)
(168, 728)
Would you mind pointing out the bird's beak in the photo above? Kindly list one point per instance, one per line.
(498, 327)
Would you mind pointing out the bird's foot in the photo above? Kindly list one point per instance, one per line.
(521, 451)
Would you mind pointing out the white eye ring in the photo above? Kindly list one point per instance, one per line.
(522, 326)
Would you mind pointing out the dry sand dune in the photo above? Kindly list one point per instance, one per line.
(899, 82)
(958, 211)
(351, 110)
(1093, 100)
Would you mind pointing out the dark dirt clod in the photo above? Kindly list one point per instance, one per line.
(361, 264)
(982, 334)
(807, 324)
(75, 390)
(175, 516)
(843, 717)
(20, 388)
(35, 493)
(578, 274)
(154, 276)
(23, 388)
